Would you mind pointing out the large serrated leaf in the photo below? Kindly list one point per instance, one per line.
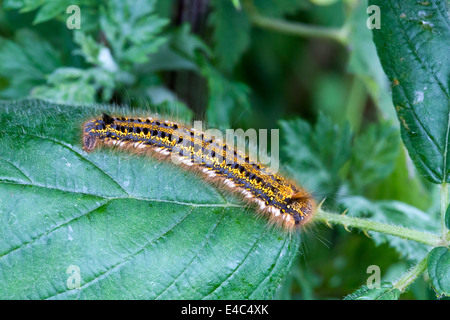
(413, 44)
(439, 270)
(231, 33)
(114, 225)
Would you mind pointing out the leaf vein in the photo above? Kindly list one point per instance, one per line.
(125, 260)
(239, 265)
(27, 243)
(413, 49)
(205, 241)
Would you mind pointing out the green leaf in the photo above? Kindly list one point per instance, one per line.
(336, 153)
(374, 155)
(132, 30)
(413, 44)
(77, 91)
(76, 85)
(50, 9)
(23, 5)
(178, 53)
(386, 291)
(393, 186)
(310, 160)
(439, 270)
(231, 33)
(26, 62)
(187, 43)
(89, 48)
(364, 61)
(134, 227)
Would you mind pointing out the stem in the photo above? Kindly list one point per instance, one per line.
(365, 224)
(295, 28)
(444, 206)
(411, 275)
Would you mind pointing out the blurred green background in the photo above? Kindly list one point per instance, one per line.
(236, 65)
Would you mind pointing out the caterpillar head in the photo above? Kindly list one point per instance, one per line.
(300, 207)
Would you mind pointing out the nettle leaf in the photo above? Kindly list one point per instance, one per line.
(395, 213)
(187, 43)
(89, 48)
(47, 9)
(336, 153)
(385, 291)
(114, 225)
(52, 9)
(76, 85)
(179, 52)
(231, 33)
(132, 29)
(26, 62)
(439, 270)
(374, 154)
(318, 163)
(413, 44)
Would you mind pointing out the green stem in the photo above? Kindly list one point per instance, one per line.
(444, 206)
(365, 224)
(295, 28)
(411, 275)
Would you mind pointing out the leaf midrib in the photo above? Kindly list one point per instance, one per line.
(108, 200)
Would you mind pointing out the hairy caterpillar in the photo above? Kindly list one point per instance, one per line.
(285, 204)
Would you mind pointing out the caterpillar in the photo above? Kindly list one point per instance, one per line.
(286, 204)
